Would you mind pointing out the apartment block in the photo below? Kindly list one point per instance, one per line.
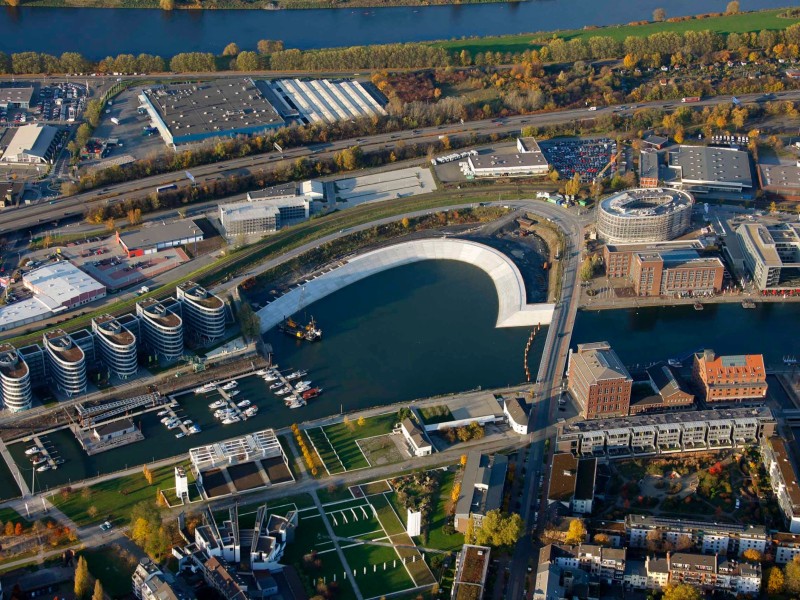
(599, 381)
(203, 312)
(66, 362)
(711, 573)
(161, 327)
(667, 432)
(730, 378)
(783, 477)
(572, 483)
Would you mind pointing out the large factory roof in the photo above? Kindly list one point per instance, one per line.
(646, 202)
(212, 106)
(34, 139)
(510, 160)
(160, 233)
(62, 281)
(706, 164)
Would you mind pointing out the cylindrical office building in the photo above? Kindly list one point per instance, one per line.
(644, 215)
(15, 380)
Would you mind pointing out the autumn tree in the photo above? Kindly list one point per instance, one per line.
(573, 186)
(404, 222)
(498, 529)
(681, 591)
(166, 4)
(791, 575)
(134, 216)
(9, 531)
(554, 176)
(659, 14)
(773, 207)
(81, 582)
(752, 555)
(587, 269)
(630, 61)
(269, 46)
(110, 224)
(18, 529)
(231, 49)
(576, 533)
(361, 421)
(98, 590)
(602, 539)
(775, 582)
(732, 8)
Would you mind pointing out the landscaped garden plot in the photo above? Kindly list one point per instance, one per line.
(343, 437)
(386, 514)
(436, 414)
(354, 521)
(377, 580)
(381, 450)
(324, 449)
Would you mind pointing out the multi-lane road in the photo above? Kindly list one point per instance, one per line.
(44, 213)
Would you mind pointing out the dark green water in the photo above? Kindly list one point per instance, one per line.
(411, 332)
(650, 334)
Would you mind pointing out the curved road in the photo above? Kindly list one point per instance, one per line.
(31, 216)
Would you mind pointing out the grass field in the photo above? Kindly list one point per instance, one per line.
(378, 582)
(436, 537)
(9, 514)
(343, 438)
(115, 498)
(112, 570)
(741, 23)
(354, 521)
(325, 450)
(388, 518)
(436, 414)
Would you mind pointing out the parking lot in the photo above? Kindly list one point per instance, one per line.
(129, 131)
(104, 260)
(587, 157)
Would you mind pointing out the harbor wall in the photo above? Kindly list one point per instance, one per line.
(514, 311)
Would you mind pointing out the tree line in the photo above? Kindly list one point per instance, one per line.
(687, 46)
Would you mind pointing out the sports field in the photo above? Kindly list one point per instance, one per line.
(338, 444)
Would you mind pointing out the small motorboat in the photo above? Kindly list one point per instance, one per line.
(283, 391)
(187, 422)
(243, 404)
(230, 385)
(270, 377)
(230, 420)
(251, 411)
(162, 413)
(179, 435)
(296, 375)
(275, 386)
(33, 450)
(217, 403)
(303, 386)
(173, 424)
(43, 468)
(674, 363)
(298, 403)
(261, 372)
(234, 393)
(194, 429)
(166, 420)
(39, 460)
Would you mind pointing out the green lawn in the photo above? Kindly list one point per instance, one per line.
(741, 23)
(9, 514)
(379, 582)
(350, 521)
(343, 438)
(112, 571)
(115, 498)
(436, 537)
(436, 414)
(325, 450)
(388, 518)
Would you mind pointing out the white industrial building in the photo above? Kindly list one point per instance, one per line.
(31, 144)
(527, 161)
(323, 101)
(65, 284)
(262, 216)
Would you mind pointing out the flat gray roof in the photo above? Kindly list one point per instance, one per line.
(600, 361)
(482, 483)
(780, 176)
(704, 164)
(499, 161)
(212, 107)
(699, 416)
(16, 95)
(159, 233)
(648, 164)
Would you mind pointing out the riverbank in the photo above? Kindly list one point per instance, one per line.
(254, 5)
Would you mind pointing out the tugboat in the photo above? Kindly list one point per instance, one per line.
(309, 332)
(312, 393)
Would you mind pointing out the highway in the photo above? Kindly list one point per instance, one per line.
(74, 206)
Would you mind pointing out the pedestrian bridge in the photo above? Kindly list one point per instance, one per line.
(514, 311)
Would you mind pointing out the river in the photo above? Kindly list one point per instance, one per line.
(106, 32)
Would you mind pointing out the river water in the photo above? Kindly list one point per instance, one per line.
(106, 32)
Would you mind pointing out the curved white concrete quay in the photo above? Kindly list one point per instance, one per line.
(514, 311)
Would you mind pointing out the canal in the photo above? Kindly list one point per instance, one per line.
(109, 31)
(411, 332)
(645, 335)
